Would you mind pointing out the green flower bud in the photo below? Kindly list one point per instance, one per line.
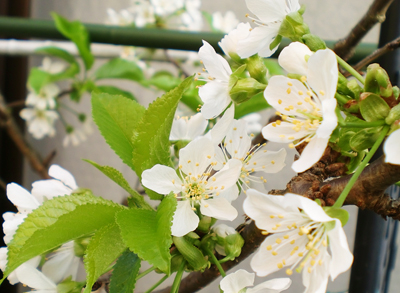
(257, 69)
(192, 254)
(229, 241)
(377, 81)
(293, 27)
(355, 89)
(244, 89)
(396, 92)
(394, 115)
(205, 224)
(342, 86)
(314, 42)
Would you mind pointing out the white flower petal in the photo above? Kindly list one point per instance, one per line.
(283, 133)
(237, 141)
(271, 286)
(267, 10)
(227, 177)
(49, 188)
(330, 121)
(273, 161)
(218, 208)
(391, 148)
(342, 258)
(63, 175)
(237, 281)
(215, 64)
(196, 126)
(178, 130)
(311, 154)
(21, 197)
(216, 98)
(258, 41)
(218, 132)
(229, 43)
(185, 219)
(196, 156)
(310, 207)
(11, 223)
(317, 280)
(33, 278)
(162, 179)
(230, 193)
(292, 58)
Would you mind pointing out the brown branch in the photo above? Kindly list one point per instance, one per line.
(15, 134)
(3, 184)
(391, 46)
(376, 14)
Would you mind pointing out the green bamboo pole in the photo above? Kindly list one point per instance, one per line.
(15, 27)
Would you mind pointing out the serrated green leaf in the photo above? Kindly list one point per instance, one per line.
(57, 52)
(117, 118)
(58, 221)
(77, 33)
(118, 178)
(112, 90)
(255, 104)
(125, 271)
(120, 68)
(148, 233)
(104, 247)
(151, 142)
(374, 108)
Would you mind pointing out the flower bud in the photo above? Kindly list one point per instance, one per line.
(396, 92)
(80, 246)
(314, 42)
(205, 224)
(244, 89)
(229, 241)
(257, 69)
(355, 88)
(293, 27)
(192, 254)
(377, 81)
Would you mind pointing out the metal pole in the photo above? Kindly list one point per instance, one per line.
(375, 243)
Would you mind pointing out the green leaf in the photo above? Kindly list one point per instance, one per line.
(374, 108)
(58, 221)
(120, 68)
(77, 33)
(255, 104)
(117, 118)
(118, 178)
(125, 271)
(57, 52)
(151, 142)
(112, 90)
(104, 247)
(364, 139)
(337, 213)
(148, 233)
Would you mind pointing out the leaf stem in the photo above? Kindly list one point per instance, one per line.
(145, 273)
(350, 69)
(361, 167)
(215, 261)
(341, 98)
(178, 278)
(157, 284)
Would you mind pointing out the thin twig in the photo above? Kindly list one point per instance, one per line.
(391, 46)
(16, 135)
(176, 64)
(16, 104)
(47, 160)
(376, 14)
(3, 184)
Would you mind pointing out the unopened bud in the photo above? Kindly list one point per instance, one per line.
(293, 27)
(355, 88)
(205, 224)
(377, 81)
(244, 89)
(314, 42)
(257, 69)
(192, 254)
(229, 241)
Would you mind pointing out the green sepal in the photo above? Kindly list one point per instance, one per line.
(293, 27)
(244, 89)
(354, 88)
(364, 139)
(342, 86)
(396, 92)
(205, 224)
(314, 42)
(394, 115)
(69, 286)
(373, 108)
(352, 106)
(377, 81)
(338, 213)
(192, 254)
(257, 68)
(355, 161)
(275, 43)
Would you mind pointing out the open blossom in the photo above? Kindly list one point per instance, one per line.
(270, 15)
(166, 7)
(306, 239)
(192, 18)
(74, 137)
(229, 42)
(123, 18)
(195, 186)
(391, 148)
(224, 23)
(188, 128)
(214, 94)
(238, 281)
(293, 58)
(307, 108)
(40, 122)
(52, 67)
(45, 98)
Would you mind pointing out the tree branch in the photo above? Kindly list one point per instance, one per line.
(376, 14)
(391, 46)
(8, 122)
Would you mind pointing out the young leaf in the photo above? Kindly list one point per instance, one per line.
(151, 142)
(120, 68)
(77, 33)
(104, 247)
(148, 233)
(117, 118)
(123, 278)
(112, 90)
(374, 108)
(58, 221)
(57, 52)
(118, 178)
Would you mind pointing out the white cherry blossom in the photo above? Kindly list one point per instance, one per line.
(45, 99)
(192, 18)
(238, 281)
(293, 58)
(229, 42)
(188, 128)
(40, 122)
(214, 94)
(306, 239)
(74, 137)
(391, 148)
(166, 7)
(123, 18)
(222, 231)
(307, 108)
(52, 67)
(270, 15)
(195, 187)
(224, 23)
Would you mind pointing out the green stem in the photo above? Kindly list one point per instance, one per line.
(157, 284)
(178, 278)
(350, 69)
(341, 98)
(364, 124)
(215, 261)
(360, 168)
(225, 259)
(145, 273)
